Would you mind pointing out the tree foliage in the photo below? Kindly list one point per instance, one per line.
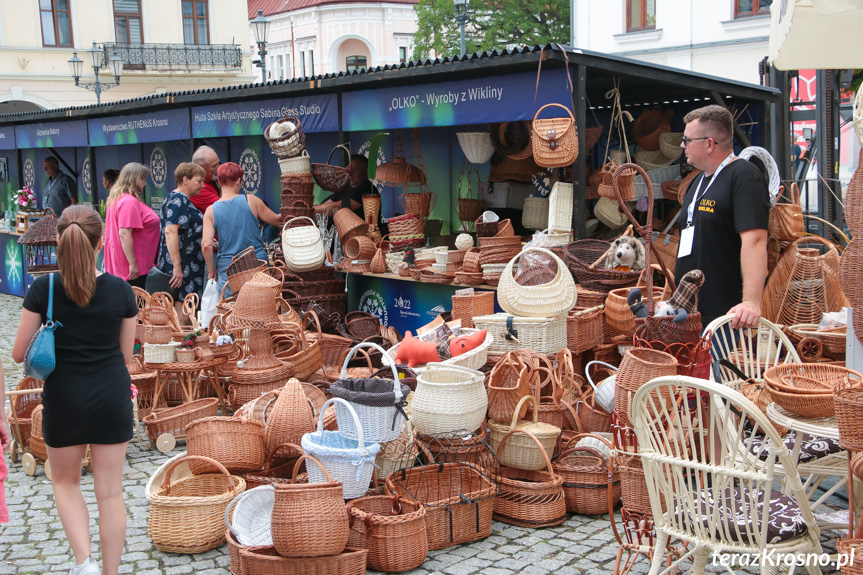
(491, 25)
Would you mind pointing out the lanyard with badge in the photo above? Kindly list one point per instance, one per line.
(688, 233)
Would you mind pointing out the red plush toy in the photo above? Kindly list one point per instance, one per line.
(414, 351)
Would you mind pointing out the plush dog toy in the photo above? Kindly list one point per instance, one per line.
(626, 254)
(414, 351)
(683, 302)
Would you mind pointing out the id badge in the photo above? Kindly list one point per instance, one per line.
(685, 247)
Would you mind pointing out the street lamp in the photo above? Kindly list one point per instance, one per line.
(461, 18)
(97, 61)
(261, 27)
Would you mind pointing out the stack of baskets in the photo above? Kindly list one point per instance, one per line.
(807, 389)
(288, 142)
(406, 231)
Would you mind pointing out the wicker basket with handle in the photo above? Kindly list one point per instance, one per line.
(545, 300)
(188, 515)
(236, 443)
(585, 477)
(286, 136)
(786, 220)
(524, 452)
(309, 519)
(507, 384)
(392, 528)
(468, 303)
(330, 177)
(530, 498)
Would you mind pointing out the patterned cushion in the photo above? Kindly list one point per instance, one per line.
(811, 448)
(786, 520)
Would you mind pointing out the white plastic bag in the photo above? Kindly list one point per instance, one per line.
(209, 301)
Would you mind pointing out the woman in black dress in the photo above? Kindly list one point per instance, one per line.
(87, 398)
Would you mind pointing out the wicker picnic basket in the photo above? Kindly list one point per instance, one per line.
(804, 284)
(350, 461)
(786, 220)
(392, 528)
(458, 498)
(330, 177)
(523, 452)
(448, 397)
(585, 477)
(529, 498)
(174, 420)
(236, 443)
(545, 300)
(468, 303)
(540, 334)
(188, 515)
(286, 136)
(585, 259)
(309, 519)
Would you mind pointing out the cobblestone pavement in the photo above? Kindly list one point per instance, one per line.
(34, 542)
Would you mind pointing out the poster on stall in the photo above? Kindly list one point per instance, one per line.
(462, 102)
(405, 305)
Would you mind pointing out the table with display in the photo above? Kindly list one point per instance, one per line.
(831, 465)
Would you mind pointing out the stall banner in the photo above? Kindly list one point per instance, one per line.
(405, 305)
(160, 126)
(7, 138)
(316, 114)
(11, 181)
(463, 102)
(162, 158)
(51, 134)
(11, 266)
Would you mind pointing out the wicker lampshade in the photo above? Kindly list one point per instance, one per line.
(399, 173)
(256, 303)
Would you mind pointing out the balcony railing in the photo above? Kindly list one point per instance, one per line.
(177, 57)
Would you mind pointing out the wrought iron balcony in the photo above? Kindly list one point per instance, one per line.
(177, 57)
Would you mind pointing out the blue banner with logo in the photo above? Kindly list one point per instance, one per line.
(161, 126)
(316, 114)
(7, 138)
(401, 303)
(52, 135)
(473, 101)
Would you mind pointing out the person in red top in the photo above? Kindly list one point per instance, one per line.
(206, 157)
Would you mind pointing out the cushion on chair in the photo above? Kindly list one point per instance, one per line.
(786, 520)
(811, 448)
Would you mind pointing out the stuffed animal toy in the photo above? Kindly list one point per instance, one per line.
(684, 301)
(408, 262)
(626, 254)
(414, 351)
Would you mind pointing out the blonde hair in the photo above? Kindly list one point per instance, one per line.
(79, 230)
(127, 181)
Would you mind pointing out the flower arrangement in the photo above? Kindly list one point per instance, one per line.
(24, 199)
(189, 340)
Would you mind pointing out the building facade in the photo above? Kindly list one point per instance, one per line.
(310, 37)
(726, 38)
(166, 46)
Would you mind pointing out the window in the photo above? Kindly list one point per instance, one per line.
(403, 54)
(312, 62)
(746, 8)
(640, 15)
(355, 63)
(303, 63)
(56, 22)
(127, 21)
(195, 22)
(280, 67)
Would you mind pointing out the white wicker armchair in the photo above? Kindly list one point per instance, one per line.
(690, 434)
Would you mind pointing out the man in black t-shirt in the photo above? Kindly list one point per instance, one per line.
(723, 224)
(358, 183)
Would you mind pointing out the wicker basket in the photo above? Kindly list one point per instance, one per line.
(329, 177)
(267, 561)
(522, 452)
(286, 136)
(419, 203)
(161, 353)
(581, 257)
(188, 515)
(238, 444)
(21, 410)
(299, 183)
(349, 224)
(447, 398)
(529, 498)
(808, 389)
(534, 215)
(506, 384)
(477, 146)
(458, 497)
(309, 519)
(174, 420)
(585, 477)
(584, 329)
(669, 143)
(786, 220)
(546, 300)
(469, 303)
(560, 208)
(392, 529)
(540, 334)
(637, 367)
(296, 165)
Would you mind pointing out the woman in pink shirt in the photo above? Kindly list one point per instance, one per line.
(131, 227)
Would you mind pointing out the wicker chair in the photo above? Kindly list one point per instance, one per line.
(701, 490)
(741, 347)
